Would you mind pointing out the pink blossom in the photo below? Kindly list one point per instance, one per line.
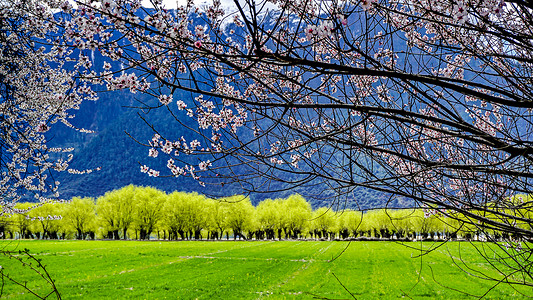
(181, 105)
(42, 127)
(153, 152)
(367, 4)
(204, 165)
(153, 173)
(165, 99)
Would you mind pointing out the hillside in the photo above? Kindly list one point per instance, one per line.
(112, 118)
(116, 113)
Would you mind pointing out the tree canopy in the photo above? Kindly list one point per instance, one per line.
(136, 212)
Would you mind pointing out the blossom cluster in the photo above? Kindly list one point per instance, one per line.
(38, 90)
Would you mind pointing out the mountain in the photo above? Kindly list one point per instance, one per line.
(115, 148)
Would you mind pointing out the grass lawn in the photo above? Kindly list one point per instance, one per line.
(253, 270)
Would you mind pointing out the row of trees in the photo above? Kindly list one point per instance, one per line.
(134, 212)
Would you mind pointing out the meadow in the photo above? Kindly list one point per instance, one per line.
(254, 270)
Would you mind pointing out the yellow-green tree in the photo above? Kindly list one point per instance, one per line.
(349, 223)
(5, 228)
(185, 214)
(520, 211)
(174, 217)
(368, 223)
(198, 215)
(217, 215)
(427, 224)
(324, 222)
(239, 215)
(402, 222)
(115, 211)
(21, 223)
(269, 217)
(147, 211)
(296, 214)
(47, 218)
(80, 215)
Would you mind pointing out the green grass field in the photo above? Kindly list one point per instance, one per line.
(251, 270)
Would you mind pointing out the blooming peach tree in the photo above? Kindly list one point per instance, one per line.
(37, 91)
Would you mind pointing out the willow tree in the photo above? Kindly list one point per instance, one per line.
(116, 211)
(270, 217)
(427, 100)
(80, 215)
(241, 216)
(47, 220)
(148, 210)
(296, 215)
(324, 223)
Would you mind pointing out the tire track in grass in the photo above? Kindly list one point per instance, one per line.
(141, 268)
(123, 244)
(279, 285)
(324, 249)
(155, 265)
(243, 258)
(67, 252)
(306, 264)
